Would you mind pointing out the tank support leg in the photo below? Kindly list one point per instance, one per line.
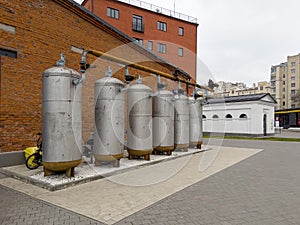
(147, 157)
(69, 172)
(97, 163)
(48, 172)
(73, 171)
(117, 163)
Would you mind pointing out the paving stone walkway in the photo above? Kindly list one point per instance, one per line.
(20, 209)
(261, 190)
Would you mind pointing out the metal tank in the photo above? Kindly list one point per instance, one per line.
(181, 121)
(163, 122)
(196, 130)
(109, 120)
(139, 131)
(62, 119)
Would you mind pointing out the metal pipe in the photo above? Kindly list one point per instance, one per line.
(143, 68)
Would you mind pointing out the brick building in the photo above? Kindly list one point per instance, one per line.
(169, 34)
(32, 36)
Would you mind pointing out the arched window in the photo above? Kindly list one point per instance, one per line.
(228, 116)
(243, 116)
(203, 117)
(215, 116)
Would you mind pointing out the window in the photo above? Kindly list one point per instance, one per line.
(162, 48)
(150, 45)
(293, 78)
(8, 53)
(180, 31)
(283, 96)
(293, 106)
(293, 99)
(293, 92)
(273, 69)
(161, 26)
(261, 88)
(283, 103)
(215, 116)
(139, 41)
(228, 116)
(113, 13)
(293, 71)
(180, 52)
(293, 85)
(283, 82)
(203, 117)
(283, 89)
(293, 63)
(283, 75)
(137, 23)
(243, 116)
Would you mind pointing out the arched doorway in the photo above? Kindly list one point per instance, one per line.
(265, 124)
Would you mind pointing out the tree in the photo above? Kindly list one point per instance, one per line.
(212, 84)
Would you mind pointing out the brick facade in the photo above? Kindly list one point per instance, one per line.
(172, 39)
(43, 30)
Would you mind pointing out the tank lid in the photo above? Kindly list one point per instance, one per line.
(60, 71)
(107, 81)
(164, 92)
(139, 87)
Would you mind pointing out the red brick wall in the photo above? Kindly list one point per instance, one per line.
(171, 37)
(44, 29)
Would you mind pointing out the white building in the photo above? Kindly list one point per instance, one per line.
(250, 115)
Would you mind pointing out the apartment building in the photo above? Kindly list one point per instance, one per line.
(236, 89)
(169, 34)
(285, 82)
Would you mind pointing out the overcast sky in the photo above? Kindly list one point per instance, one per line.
(239, 40)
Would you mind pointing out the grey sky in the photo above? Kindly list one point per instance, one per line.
(239, 40)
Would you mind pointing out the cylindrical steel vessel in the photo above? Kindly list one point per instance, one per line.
(62, 120)
(181, 122)
(139, 133)
(163, 122)
(109, 120)
(196, 133)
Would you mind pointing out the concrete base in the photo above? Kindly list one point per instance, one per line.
(238, 134)
(12, 158)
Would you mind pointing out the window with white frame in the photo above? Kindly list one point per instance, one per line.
(150, 45)
(180, 52)
(181, 31)
(138, 40)
(137, 23)
(162, 48)
(113, 13)
(161, 26)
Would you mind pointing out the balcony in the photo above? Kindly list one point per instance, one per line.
(158, 9)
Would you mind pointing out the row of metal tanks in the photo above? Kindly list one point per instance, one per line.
(158, 122)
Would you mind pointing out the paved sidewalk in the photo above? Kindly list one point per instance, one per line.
(20, 209)
(263, 190)
(115, 198)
